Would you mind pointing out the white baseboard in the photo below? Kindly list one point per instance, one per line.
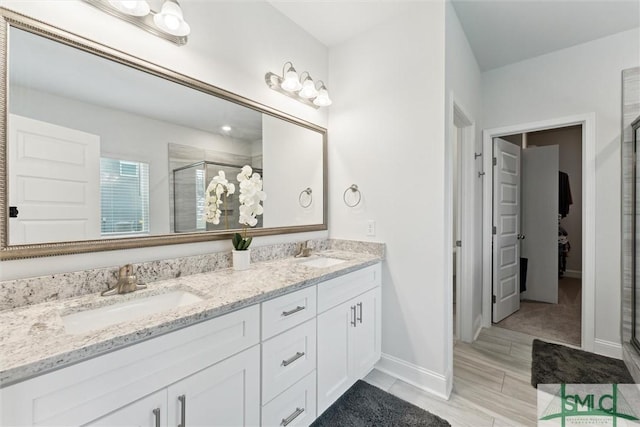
(424, 379)
(574, 274)
(607, 348)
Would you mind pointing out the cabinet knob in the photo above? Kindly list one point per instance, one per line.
(353, 316)
(156, 416)
(292, 311)
(292, 359)
(183, 410)
(296, 413)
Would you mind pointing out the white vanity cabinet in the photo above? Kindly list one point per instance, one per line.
(348, 332)
(278, 363)
(219, 357)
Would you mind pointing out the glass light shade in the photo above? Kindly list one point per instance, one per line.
(170, 19)
(291, 82)
(322, 100)
(308, 90)
(131, 7)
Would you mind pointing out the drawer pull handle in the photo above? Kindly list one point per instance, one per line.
(353, 316)
(183, 410)
(295, 310)
(296, 413)
(360, 311)
(156, 415)
(292, 359)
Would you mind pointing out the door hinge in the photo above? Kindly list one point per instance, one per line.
(493, 299)
(13, 212)
(459, 243)
(495, 161)
(494, 230)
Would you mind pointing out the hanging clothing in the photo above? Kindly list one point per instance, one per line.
(564, 195)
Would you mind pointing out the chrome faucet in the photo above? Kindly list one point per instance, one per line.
(305, 251)
(126, 282)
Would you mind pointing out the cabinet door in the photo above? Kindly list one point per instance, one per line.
(150, 411)
(225, 394)
(365, 336)
(333, 353)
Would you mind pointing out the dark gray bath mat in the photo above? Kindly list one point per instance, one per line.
(364, 405)
(557, 364)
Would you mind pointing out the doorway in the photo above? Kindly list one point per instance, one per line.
(462, 158)
(550, 237)
(587, 229)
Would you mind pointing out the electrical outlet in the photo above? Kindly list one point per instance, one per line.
(371, 228)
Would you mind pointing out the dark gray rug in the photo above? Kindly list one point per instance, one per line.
(557, 364)
(364, 405)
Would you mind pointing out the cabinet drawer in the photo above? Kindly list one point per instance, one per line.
(287, 311)
(296, 406)
(287, 358)
(343, 288)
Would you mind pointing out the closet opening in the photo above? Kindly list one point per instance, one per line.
(542, 238)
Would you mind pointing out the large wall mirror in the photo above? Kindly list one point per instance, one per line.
(635, 290)
(102, 151)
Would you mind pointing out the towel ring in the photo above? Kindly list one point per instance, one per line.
(308, 191)
(354, 189)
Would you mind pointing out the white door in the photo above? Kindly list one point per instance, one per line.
(540, 222)
(54, 181)
(506, 222)
(365, 338)
(333, 353)
(149, 411)
(225, 394)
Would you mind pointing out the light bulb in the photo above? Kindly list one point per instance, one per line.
(170, 19)
(226, 128)
(131, 7)
(291, 82)
(322, 100)
(308, 90)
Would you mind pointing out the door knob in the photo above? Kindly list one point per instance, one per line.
(521, 236)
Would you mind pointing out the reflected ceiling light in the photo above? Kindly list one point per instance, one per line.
(167, 23)
(302, 87)
(226, 128)
(170, 19)
(131, 7)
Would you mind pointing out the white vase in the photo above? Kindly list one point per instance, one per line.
(241, 259)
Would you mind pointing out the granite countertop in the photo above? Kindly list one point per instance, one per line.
(33, 339)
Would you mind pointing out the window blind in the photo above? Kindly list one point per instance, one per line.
(124, 194)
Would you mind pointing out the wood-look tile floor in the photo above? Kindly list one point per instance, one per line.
(491, 385)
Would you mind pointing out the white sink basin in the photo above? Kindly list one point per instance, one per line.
(322, 262)
(98, 318)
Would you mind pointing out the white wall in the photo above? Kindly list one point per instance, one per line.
(386, 133)
(292, 157)
(463, 81)
(578, 80)
(232, 46)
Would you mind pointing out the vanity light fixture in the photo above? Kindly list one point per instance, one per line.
(168, 22)
(301, 88)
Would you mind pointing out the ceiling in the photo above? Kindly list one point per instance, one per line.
(500, 32)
